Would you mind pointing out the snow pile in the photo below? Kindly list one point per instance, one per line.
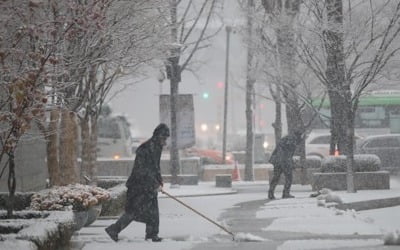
(240, 237)
(392, 238)
(325, 197)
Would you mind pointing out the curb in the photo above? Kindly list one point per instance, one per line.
(201, 194)
(370, 204)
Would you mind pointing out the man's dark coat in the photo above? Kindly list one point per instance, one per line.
(282, 155)
(143, 182)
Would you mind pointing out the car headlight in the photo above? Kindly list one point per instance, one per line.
(265, 145)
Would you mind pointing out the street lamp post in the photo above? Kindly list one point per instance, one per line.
(228, 32)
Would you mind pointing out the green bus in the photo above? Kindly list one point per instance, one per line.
(378, 113)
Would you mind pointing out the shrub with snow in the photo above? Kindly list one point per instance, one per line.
(362, 163)
(310, 162)
(392, 238)
(77, 197)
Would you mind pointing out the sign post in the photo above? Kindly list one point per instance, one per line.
(185, 118)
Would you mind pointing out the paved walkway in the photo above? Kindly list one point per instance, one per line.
(282, 224)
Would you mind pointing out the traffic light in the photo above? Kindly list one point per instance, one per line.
(220, 85)
(205, 95)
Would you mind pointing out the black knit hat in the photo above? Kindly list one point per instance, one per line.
(161, 130)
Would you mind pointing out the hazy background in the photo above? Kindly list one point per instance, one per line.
(140, 101)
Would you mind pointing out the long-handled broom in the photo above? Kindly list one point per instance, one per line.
(237, 237)
(197, 212)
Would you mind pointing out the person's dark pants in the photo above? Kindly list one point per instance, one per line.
(152, 221)
(278, 170)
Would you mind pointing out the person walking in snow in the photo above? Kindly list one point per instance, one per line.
(143, 185)
(282, 159)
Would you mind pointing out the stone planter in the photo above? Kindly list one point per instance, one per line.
(80, 218)
(93, 214)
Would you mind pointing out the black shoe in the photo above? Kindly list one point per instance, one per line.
(154, 238)
(113, 235)
(287, 196)
(271, 196)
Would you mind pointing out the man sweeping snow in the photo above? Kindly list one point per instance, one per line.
(143, 185)
(282, 159)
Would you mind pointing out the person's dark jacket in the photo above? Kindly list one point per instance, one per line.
(144, 181)
(284, 151)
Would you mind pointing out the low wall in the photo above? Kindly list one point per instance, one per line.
(362, 180)
(110, 167)
(183, 179)
(210, 171)
(300, 176)
(223, 180)
(190, 165)
(123, 167)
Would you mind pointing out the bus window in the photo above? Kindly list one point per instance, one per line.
(377, 113)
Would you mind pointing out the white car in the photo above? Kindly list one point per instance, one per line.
(317, 144)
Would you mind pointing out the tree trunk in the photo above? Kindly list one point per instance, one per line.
(86, 149)
(286, 51)
(350, 147)
(11, 184)
(174, 152)
(335, 70)
(93, 151)
(68, 145)
(277, 125)
(338, 89)
(174, 74)
(248, 170)
(52, 148)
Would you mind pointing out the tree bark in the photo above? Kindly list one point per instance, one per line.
(338, 89)
(93, 151)
(250, 82)
(52, 148)
(174, 70)
(86, 148)
(174, 152)
(68, 145)
(11, 184)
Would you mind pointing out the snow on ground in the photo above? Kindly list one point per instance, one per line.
(303, 215)
(387, 219)
(182, 228)
(327, 244)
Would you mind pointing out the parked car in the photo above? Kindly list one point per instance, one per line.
(317, 144)
(136, 142)
(209, 156)
(386, 147)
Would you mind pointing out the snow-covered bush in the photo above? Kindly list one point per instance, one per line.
(77, 197)
(362, 163)
(310, 162)
(392, 238)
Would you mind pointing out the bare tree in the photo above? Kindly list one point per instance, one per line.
(188, 21)
(348, 51)
(134, 36)
(27, 53)
(114, 40)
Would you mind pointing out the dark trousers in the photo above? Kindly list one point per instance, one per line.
(278, 170)
(152, 220)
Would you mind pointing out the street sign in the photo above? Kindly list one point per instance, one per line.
(185, 118)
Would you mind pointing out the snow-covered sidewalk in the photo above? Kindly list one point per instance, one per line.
(323, 225)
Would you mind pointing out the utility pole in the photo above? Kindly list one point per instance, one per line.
(250, 97)
(228, 33)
